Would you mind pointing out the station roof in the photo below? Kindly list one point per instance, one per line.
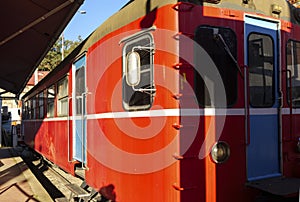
(29, 28)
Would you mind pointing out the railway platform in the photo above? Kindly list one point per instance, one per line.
(17, 182)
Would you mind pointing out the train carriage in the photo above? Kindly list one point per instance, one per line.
(177, 101)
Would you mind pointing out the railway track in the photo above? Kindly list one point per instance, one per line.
(55, 180)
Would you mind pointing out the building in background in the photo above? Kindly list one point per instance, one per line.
(10, 112)
(8, 98)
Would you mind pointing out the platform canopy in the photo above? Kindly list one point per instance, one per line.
(29, 28)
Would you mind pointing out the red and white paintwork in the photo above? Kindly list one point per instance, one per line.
(187, 178)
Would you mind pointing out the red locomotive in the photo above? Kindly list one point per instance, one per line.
(178, 101)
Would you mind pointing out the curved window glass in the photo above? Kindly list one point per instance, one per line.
(261, 70)
(221, 46)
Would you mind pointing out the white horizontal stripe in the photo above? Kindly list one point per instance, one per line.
(263, 111)
(222, 112)
(56, 119)
(47, 119)
(168, 112)
(294, 111)
(150, 113)
(174, 112)
(191, 112)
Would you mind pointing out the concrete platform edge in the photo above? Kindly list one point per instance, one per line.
(39, 191)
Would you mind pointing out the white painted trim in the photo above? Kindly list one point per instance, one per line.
(268, 23)
(47, 119)
(174, 113)
(263, 111)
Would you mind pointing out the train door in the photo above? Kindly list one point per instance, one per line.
(79, 110)
(263, 153)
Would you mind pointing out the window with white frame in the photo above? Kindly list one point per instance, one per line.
(62, 97)
(50, 101)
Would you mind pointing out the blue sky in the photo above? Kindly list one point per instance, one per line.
(97, 11)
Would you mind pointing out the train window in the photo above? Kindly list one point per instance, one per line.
(293, 75)
(137, 79)
(261, 70)
(25, 114)
(62, 97)
(33, 109)
(41, 105)
(221, 46)
(50, 101)
(29, 109)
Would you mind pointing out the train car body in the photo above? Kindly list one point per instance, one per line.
(177, 101)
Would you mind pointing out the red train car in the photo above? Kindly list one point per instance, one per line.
(178, 101)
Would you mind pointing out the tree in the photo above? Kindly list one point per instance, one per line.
(54, 56)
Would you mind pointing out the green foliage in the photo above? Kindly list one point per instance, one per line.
(54, 56)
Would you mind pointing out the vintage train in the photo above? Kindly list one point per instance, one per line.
(178, 101)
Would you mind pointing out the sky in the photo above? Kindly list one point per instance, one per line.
(96, 12)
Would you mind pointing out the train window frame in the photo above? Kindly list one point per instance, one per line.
(140, 96)
(291, 70)
(265, 105)
(62, 96)
(25, 113)
(34, 107)
(80, 85)
(41, 105)
(231, 85)
(51, 96)
(29, 109)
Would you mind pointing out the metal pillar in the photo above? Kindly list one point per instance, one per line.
(0, 121)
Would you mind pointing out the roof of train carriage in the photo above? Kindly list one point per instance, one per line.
(29, 28)
(129, 13)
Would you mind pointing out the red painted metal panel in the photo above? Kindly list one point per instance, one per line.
(126, 157)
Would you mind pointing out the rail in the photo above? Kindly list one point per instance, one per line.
(83, 130)
(287, 71)
(68, 125)
(246, 89)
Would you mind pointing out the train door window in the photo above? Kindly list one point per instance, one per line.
(80, 86)
(137, 80)
(221, 46)
(293, 75)
(261, 70)
(41, 105)
(50, 101)
(62, 97)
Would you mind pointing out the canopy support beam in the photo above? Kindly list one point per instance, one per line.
(37, 21)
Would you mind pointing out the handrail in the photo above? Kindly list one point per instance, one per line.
(290, 100)
(82, 132)
(68, 125)
(83, 113)
(247, 113)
